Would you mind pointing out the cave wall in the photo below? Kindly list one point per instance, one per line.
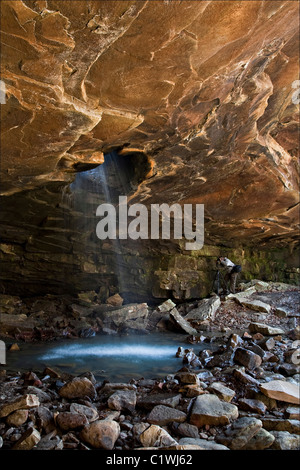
(56, 250)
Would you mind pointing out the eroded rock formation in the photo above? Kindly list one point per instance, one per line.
(198, 102)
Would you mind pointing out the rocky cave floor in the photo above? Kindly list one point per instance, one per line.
(240, 392)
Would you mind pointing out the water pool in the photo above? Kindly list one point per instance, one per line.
(116, 358)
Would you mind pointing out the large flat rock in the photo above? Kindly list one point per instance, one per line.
(209, 409)
(281, 390)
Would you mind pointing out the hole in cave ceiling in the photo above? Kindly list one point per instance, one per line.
(118, 175)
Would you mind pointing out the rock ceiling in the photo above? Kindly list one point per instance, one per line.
(203, 89)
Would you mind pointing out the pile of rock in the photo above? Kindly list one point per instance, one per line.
(245, 395)
(48, 317)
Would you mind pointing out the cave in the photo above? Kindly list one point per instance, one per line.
(174, 104)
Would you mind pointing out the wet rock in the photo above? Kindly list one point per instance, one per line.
(265, 329)
(209, 409)
(101, 434)
(28, 440)
(163, 415)
(67, 420)
(223, 392)
(190, 357)
(24, 402)
(260, 441)
(247, 358)
(79, 387)
(285, 441)
(168, 399)
(240, 432)
(1, 442)
(155, 436)
(17, 418)
(122, 400)
(86, 332)
(179, 323)
(221, 359)
(235, 341)
(281, 390)
(202, 443)
(52, 372)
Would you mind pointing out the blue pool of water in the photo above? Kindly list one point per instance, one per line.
(116, 358)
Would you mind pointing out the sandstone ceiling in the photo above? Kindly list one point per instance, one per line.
(202, 89)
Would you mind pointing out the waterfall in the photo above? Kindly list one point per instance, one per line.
(80, 199)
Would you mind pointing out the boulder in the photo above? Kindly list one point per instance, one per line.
(281, 390)
(284, 440)
(185, 429)
(132, 316)
(277, 424)
(254, 304)
(205, 310)
(247, 358)
(179, 323)
(17, 418)
(115, 300)
(202, 443)
(163, 415)
(223, 392)
(24, 402)
(187, 377)
(240, 432)
(101, 434)
(122, 400)
(166, 306)
(209, 409)
(50, 442)
(155, 436)
(90, 413)
(260, 441)
(45, 419)
(265, 329)
(168, 399)
(253, 405)
(79, 387)
(28, 440)
(68, 421)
